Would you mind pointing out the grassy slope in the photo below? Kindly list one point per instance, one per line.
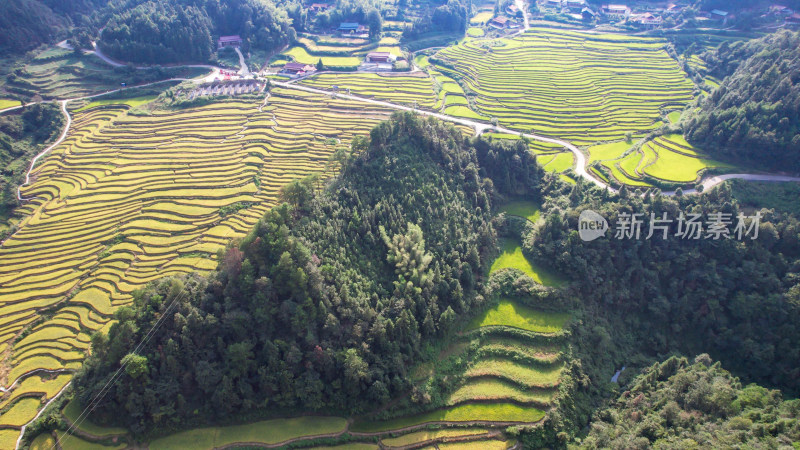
(132, 102)
(4, 103)
(522, 208)
(512, 257)
(72, 411)
(512, 314)
(498, 412)
(267, 431)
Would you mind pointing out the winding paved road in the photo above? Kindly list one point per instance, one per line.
(47, 150)
(580, 158)
(480, 127)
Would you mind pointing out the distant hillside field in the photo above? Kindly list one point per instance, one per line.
(577, 86)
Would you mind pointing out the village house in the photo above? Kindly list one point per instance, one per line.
(512, 9)
(648, 20)
(616, 11)
(380, 57)
(793, 20)
(352, 28)
(318, 7)
(297, 69)
(229, 41)
(499, 22)
(588, 14)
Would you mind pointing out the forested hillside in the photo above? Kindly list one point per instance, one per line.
(172, 31)
(676, 404)
(327, 303)
(736, 300)
(754, 116)
(25, 24)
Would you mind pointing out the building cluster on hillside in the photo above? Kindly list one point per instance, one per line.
(503, 22)
(230, 87)
(654, 16)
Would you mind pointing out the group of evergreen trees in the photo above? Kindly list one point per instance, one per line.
(754, 116)
(676, 404)
(738, 300)
(329, 301)
(26, 24)
(174, 31)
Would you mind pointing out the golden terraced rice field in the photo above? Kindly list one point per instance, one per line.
(126, 200)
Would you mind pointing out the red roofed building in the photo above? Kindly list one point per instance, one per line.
(229, 41)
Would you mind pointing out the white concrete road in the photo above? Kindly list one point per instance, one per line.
(521, 5)
(244, 71)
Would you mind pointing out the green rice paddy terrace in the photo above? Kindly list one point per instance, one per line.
(577, 86)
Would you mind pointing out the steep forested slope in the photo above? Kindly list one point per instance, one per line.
(325, 305)
(172, 31)
(676, 404)
(754, 116)
(25, 24)
(736, 300)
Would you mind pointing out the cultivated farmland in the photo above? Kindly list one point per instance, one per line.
(58, 73)
(513, 258)
(581, 87)
(665, 159)
(301, 55)
(402, 89)
(127, 199)
(513, 371)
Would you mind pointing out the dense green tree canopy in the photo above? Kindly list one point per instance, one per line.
(676, 404)
(324, 306)
(177, 31)
(734, 299)
(754, 116)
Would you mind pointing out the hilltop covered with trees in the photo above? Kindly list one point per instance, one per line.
(754, 116)
(171, 31)
(26, 24)
(738, 300)
(676, 404)
(327, 303)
